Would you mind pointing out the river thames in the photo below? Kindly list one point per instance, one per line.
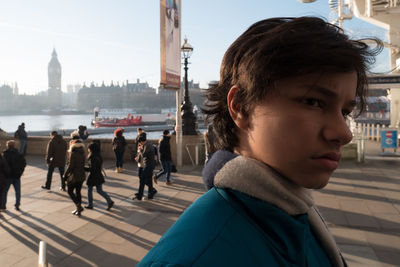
(67, 122)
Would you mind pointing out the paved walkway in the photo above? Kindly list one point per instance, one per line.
(361, 205)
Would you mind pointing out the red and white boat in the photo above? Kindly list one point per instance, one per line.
(130, 120)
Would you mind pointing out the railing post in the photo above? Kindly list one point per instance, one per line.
(361, 144)
(368, 131)
(378, 132)
(42, 254)
(197, 154)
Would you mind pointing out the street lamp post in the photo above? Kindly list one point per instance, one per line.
(189, 124)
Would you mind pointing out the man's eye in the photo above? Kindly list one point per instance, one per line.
(346, 113)
(312, 102)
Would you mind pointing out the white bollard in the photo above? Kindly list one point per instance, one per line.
(42, 254)
(378, 132)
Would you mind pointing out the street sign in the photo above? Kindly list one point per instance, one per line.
(389, 139)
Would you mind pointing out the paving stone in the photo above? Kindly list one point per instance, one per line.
(388, 258)
(389, 241)
(380, 207)
(359, 256)
(348, 236)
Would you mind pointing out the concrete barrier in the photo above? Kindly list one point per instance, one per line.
(193, 147)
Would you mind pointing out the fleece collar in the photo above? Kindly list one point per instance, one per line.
(258, 180)
(77, 146)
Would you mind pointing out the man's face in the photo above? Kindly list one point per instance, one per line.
(301, 132)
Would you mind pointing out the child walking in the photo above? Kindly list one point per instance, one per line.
(96, 178)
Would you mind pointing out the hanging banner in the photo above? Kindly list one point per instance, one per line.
(170, 37)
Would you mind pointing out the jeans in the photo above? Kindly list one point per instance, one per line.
(17, 188)
(76, 198)
(145, 178)
(22, 146)
(50, 175)
(99, 189)
(166, 169)
(119, 156)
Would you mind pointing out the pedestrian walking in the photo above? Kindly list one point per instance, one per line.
(56, 153)
(286, 89)
(119, 144)
(210, 142)
(75, 174)
(22, 137)
(96, 177)
(135, 148)
(4, 173)
(16, 162)
(145, 157)
(83, 132)
(164, 150)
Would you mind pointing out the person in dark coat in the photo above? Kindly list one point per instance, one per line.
(4, 173)
(75, 174)
(22, 136)
(56, 153)
(83, 133)
(164, 149)
(16, 163)
(209, 140)
(145, 158)
(96, 177)
(119, 144)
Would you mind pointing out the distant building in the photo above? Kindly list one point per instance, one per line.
(6, 97)
(54, 76)
(16, 90)
(138, 96)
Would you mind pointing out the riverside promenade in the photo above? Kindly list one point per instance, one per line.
(361, 205)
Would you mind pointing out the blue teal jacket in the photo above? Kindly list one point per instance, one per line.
(227, 228)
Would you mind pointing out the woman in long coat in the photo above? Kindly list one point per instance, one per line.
(4, 173)
(75, 174)
(96, 177)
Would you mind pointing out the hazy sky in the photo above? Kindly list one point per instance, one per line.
(119, 40)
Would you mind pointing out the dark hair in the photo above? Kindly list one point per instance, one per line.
(165, 132)
(53, 133)
(94, 148)
(279, 48)
(142, 137)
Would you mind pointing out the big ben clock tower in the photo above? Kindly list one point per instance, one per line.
(54, 75)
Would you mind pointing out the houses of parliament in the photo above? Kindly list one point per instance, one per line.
(132, 95)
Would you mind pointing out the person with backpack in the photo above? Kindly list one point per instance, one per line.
(16, 162)
(119, 144)
(96, 177)
(165, 158)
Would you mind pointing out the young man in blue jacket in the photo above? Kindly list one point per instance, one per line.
(286, 88)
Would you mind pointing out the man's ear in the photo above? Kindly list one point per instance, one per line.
(237, 116)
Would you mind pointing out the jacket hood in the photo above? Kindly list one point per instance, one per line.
(217, 161)
(78, 147)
